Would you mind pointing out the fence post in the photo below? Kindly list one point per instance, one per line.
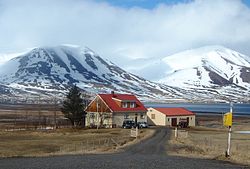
(229, 142)
(87, 142)
(136, 130)
(175, 133)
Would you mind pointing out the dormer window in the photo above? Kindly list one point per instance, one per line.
(124, 104)
(132, 104)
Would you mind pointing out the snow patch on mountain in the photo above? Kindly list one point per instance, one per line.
(206, 74)
(47, 69)
(207, 66)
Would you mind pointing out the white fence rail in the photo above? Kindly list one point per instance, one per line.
(242, 132)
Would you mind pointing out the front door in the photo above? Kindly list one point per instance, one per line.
(174, 121)
(135, 119)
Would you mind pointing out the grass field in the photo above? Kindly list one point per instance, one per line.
(31, 140)
(209, 140)
(64, 141)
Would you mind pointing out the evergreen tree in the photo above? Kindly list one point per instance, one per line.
(73, 107)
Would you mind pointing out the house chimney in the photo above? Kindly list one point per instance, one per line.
(113, 93)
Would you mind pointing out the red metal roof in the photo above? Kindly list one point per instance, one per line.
(175, 111)
(109, 99)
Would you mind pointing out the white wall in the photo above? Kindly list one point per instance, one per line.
(116, 118)
(159, 119)
(93, 118)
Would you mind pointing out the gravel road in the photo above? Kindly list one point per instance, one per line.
(149, 154)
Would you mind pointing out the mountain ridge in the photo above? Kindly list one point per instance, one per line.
(209, 66)
(48, 68)
(49, 71)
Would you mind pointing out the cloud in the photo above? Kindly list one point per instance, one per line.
(124, 35)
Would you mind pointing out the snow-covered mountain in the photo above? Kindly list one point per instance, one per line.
(208, 74)
(208, 66)
(51, 70)
(215, 68)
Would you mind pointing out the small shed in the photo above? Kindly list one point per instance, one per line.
(170, 116)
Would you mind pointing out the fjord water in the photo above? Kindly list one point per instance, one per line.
(218, 108)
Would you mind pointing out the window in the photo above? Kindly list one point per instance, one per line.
(152, 116)
(168, 119)
(92, 115)
(142, 116)
(132, 104)
(126, 116)
(124, 105)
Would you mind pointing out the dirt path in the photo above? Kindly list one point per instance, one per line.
(152, 146)
(147, 154)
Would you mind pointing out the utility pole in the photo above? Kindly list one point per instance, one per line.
(228, 121)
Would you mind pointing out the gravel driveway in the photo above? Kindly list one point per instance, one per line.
(148, 154)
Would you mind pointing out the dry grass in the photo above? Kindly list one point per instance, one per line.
(208, 141)
(31, 142)
(64, 141)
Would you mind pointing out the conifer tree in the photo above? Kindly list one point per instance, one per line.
(73, 107)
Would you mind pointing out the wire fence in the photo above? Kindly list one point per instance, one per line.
(105, 144)
(216, 142)
(32, 120)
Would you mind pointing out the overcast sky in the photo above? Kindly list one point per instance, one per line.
(123, 30)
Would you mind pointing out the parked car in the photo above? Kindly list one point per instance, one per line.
(142, 124)
(128, 124)
(183, 124)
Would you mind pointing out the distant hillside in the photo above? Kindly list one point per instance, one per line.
(208, 74)
(50, 71)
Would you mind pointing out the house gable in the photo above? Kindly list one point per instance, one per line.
(98, 105)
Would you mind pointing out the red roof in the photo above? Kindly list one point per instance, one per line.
(109, 99)
(175, 111)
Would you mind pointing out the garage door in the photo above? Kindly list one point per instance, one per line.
(174, 121)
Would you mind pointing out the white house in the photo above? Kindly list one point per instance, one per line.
(170, 116)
